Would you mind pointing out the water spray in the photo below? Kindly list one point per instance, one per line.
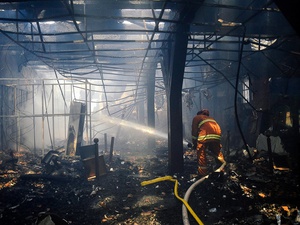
(139, 127)
(136, 126)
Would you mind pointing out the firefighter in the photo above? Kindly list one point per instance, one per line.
(206, 134)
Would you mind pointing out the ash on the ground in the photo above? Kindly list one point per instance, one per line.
(60, 193)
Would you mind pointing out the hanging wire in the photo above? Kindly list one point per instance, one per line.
(236, 94)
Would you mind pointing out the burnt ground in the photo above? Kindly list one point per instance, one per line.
(246, 193)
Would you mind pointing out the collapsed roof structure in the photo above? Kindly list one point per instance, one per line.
(137, 60)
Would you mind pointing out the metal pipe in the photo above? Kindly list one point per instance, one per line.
(90, 112)
(43, 124)
(105, 142)
(1, 119)
(65, 109)
(86, 112)
(53, 125)
(17, 119)
(111, 148)
(96, 140)
(33, 112)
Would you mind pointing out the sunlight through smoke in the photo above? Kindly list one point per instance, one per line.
(138, 127)
(135, 126)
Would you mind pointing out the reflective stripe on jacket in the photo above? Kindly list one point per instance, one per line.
(204, 121)
(209, 137)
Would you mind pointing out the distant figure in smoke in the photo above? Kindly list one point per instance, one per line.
(206, 134)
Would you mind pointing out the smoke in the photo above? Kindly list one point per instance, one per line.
(41, 122)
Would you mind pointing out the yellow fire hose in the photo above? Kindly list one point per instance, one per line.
(170, 178)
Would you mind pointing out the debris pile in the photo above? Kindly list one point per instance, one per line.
(56, 191)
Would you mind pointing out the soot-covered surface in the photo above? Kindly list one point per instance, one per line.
(246, 193)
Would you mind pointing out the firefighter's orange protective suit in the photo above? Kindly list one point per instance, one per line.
(206, 134)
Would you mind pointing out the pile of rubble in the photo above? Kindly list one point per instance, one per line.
(58, 190)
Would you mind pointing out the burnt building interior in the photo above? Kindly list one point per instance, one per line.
(98, 96)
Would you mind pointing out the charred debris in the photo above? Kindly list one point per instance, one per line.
(62, 189)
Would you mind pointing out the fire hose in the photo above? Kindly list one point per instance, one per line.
(185, 216)
(170, 178)
(185, 205)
